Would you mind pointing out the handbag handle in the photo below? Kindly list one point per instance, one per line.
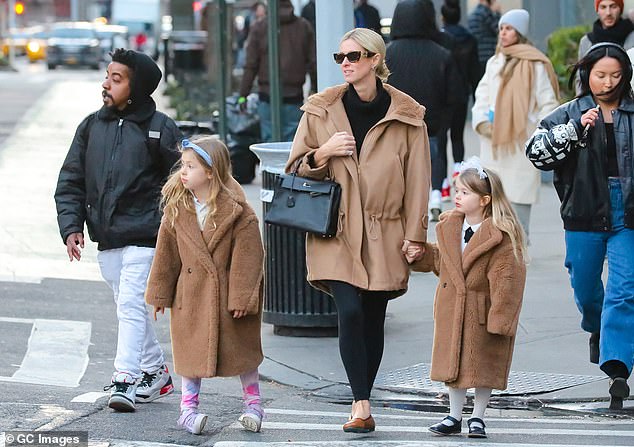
(294, 172)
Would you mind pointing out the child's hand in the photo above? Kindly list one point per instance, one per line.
(413, 251)
(239, 313)
(158, 309)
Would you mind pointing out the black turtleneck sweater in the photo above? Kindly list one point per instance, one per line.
(363, 115)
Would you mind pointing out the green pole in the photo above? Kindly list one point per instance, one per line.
(274, 69)
(221, 54)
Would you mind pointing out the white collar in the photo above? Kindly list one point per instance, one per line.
(466, 225)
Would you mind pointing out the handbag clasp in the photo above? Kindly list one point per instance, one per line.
(290, 201)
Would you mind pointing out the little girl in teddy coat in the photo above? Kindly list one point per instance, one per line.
(480, 261)
(208, 269)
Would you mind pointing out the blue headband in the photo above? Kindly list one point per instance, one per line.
(186, 144)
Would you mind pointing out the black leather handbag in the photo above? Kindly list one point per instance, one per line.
(305, 204)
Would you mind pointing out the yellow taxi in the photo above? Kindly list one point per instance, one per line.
(18, 39)
(36, 46)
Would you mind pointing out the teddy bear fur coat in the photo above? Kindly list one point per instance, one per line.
(477, 304)
(203, 276)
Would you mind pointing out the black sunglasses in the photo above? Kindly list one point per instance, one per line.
(353, 56)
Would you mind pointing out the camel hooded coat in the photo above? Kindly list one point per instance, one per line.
(384, 191)
(203, 277)
(477, 304)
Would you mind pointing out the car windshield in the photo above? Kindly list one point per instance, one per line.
(73, 33)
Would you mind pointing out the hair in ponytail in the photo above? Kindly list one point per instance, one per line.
(499, 208)
(373, 42)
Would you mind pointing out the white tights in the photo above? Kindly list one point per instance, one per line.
(457, 398)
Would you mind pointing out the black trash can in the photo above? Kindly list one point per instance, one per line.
(290, 303)
(187, 50)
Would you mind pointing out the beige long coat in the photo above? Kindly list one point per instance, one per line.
(384, 192)
(477, 304)
(203, 277)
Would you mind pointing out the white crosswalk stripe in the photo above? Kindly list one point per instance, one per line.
(126, 443)
(366, 443)
(434, 417)
(57, 352)
(554, 432)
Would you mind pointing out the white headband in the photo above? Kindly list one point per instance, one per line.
(473, 163)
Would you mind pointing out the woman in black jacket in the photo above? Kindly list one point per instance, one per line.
(588, 142)
(423, 69)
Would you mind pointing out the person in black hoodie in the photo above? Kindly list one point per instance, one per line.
(426, 71)
(111, 181)
(465, 53)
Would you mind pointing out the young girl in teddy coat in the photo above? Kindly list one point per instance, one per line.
(479, 258)
(208, 269)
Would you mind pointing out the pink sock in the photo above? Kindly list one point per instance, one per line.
(251, 391)
(190, 390)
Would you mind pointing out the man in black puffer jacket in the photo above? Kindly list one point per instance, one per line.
(111, 181)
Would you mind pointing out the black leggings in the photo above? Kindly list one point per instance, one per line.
(458, 120)
(361, 319)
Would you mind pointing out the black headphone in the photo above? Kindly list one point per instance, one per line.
(584, 73)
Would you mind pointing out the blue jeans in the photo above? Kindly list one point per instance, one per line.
(609, 311)
(290, 114)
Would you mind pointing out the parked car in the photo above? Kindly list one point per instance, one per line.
(36, 46)
(73, 43)
(111, 37)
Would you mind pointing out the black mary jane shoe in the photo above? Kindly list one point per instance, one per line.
(475, 431)
(446, 430)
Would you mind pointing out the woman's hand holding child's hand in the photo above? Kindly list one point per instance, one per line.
(413, 251)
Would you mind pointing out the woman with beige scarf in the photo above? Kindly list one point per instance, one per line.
(518, 89)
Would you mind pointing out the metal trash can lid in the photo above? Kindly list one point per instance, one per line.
(273, 156)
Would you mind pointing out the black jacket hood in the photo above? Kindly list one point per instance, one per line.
(146, 76)
(414, 19)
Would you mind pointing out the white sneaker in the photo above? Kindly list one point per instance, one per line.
(122, 392)
(192, 421)
(153, 386)
(435, 205)
(251, 421)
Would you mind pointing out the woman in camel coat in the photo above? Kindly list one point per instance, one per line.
(371, 139)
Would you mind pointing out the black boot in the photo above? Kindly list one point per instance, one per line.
(619, 390)
(594, 347)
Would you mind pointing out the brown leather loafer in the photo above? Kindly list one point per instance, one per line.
(358, 425)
